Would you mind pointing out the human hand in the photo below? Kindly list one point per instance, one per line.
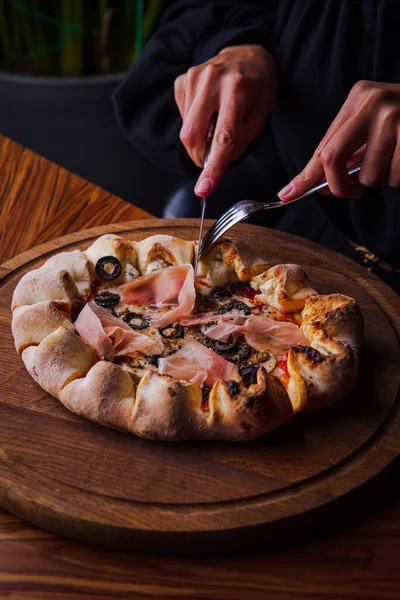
(366, 128)
(239, 83)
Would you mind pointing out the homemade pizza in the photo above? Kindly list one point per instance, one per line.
(122, 334)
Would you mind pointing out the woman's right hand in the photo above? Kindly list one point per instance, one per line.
(239, 83)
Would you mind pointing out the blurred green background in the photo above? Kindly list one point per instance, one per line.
(72, 38)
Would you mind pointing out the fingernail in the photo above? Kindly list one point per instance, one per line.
(204, 186)
(286, 191)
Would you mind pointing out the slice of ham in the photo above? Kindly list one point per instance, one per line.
(261, 333)
(110, 337)
(223, 328)
(200, 319)
(195, 362)
(90, 329)
(173, 286)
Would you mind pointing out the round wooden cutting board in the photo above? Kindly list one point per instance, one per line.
(93, 484)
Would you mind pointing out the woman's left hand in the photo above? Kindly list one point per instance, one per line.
(366, 128)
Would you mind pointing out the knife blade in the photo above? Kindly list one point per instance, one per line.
(209, 140)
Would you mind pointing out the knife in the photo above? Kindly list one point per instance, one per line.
(209, 140)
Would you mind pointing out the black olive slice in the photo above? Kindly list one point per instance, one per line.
(153, 359)
(249, 374)
(136, 321)
(242, 352)
(234, 305)
(220, 293)
(107, 299)
(203, 339)
(239, 288)
(172, 332)
(227, 346)
(239, 354)
(109, 274)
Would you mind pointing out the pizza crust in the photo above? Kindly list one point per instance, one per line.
(161, 251)
(105, 395)
(78, 267)
(46, 285)
(60, 358)
(121, 248)
(250, 412)
(33, 323)
(328, 367)
(167, 409)
(164, 408)
(228, 261)
(285, 287)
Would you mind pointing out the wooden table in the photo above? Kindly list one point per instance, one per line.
(358, 558)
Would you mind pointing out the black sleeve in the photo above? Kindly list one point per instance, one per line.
(191, 32)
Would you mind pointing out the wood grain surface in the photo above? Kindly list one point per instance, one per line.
(40, 201)
(199, 497)
(353, 557)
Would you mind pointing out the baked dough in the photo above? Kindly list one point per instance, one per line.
(160, 407)
(228, 261)
(161, 251)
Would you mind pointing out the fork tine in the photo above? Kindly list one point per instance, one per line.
(228, 213)
(229, 216)
(205, 247)
(216, 232)
(235, 214)
(210, 240)
(217, 229)
(225, 223)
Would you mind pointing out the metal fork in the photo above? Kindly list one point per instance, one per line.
(244, 209)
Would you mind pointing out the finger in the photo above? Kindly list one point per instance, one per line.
(380, 147)
(196, 78)
(306, 179)
(314, 169)
(354, 99)
(394, 169)
(194, 129)
(335, 155)
(341, 118)
(203, 96)
(179, 91)
(331, 162)
(223, 144)
(357, 156)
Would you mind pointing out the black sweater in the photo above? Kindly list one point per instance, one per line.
(322, 47)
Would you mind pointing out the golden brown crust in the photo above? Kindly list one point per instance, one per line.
(121, 248)
(167, 409)
(164, 408)
(245, 413)
(338, 317)
(105, 395)
(46, 285)
(230, 260)
(78, 267)
(161, 251)
(32, 324)
(285, 287)
(59, 359)
(325, 372)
